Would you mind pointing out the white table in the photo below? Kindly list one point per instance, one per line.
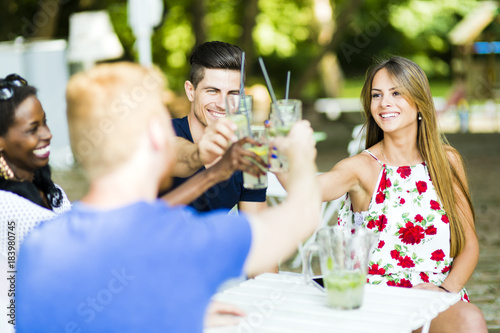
(285, 303)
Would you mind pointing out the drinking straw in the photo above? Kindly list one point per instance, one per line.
(242, 95)
(242, 84)
(287, 86)
(269, 86)
(268, 82)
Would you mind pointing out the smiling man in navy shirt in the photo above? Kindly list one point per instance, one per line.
(203, 135)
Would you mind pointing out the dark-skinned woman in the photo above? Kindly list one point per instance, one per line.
(28, 196)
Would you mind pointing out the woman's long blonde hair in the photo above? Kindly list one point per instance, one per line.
(432, 146)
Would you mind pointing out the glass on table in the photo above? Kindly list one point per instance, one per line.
(284, 114)
(239, 110)
(343, 255)
(262, 150)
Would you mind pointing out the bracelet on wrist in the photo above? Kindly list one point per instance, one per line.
(441, 287)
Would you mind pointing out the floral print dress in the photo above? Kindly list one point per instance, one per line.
(413, 230)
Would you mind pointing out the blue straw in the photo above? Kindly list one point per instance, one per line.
(242, 95)
(268, 82)
(269, 86)
(287, 86)
(242, 84)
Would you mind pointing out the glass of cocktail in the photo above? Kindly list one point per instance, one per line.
(284, 113)
(262, 150)
(343, 256)
(239, 110)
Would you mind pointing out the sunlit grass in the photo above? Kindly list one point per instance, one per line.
(352, 88)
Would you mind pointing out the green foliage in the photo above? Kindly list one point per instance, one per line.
(172, 44)
(223, 20)
(285, 34)
(352, 88)
(118, 15)
(282, 26)
(17, 18)
(429, 22)
(419, 18)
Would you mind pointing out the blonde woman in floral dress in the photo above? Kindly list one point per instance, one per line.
(410, 188)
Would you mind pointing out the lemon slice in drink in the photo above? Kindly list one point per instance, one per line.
(261, 151)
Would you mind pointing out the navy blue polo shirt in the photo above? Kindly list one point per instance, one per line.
(223, 195)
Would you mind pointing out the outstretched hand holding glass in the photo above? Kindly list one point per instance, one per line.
(239, 110)
(284, 114)
(261, 149)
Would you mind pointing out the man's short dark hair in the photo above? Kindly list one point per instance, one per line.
(213, 55)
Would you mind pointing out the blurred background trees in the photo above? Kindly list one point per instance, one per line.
(327, 44)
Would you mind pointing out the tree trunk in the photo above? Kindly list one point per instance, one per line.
(46, 19)
(198, 10)
(342, 19)
(250, 10)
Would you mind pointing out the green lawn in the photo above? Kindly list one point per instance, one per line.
(352, 88)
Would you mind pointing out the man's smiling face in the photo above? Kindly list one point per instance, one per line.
(209, 97)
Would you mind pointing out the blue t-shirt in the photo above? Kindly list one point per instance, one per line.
(223, 195)
(146, 267)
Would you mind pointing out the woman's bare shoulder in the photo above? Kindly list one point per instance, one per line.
(357, 163)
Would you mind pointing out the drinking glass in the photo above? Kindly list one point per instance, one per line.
(284, 113)
(257, 182)
(343, 256)
(239, 110)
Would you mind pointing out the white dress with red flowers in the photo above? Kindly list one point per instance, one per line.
(413, 230)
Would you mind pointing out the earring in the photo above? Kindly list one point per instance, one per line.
(419, 116)
(5, 171)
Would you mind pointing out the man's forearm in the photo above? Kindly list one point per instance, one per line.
(276, 231)
(303, 189)
(188, 158)
(191, 188)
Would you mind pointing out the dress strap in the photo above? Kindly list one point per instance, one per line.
(375, 157)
